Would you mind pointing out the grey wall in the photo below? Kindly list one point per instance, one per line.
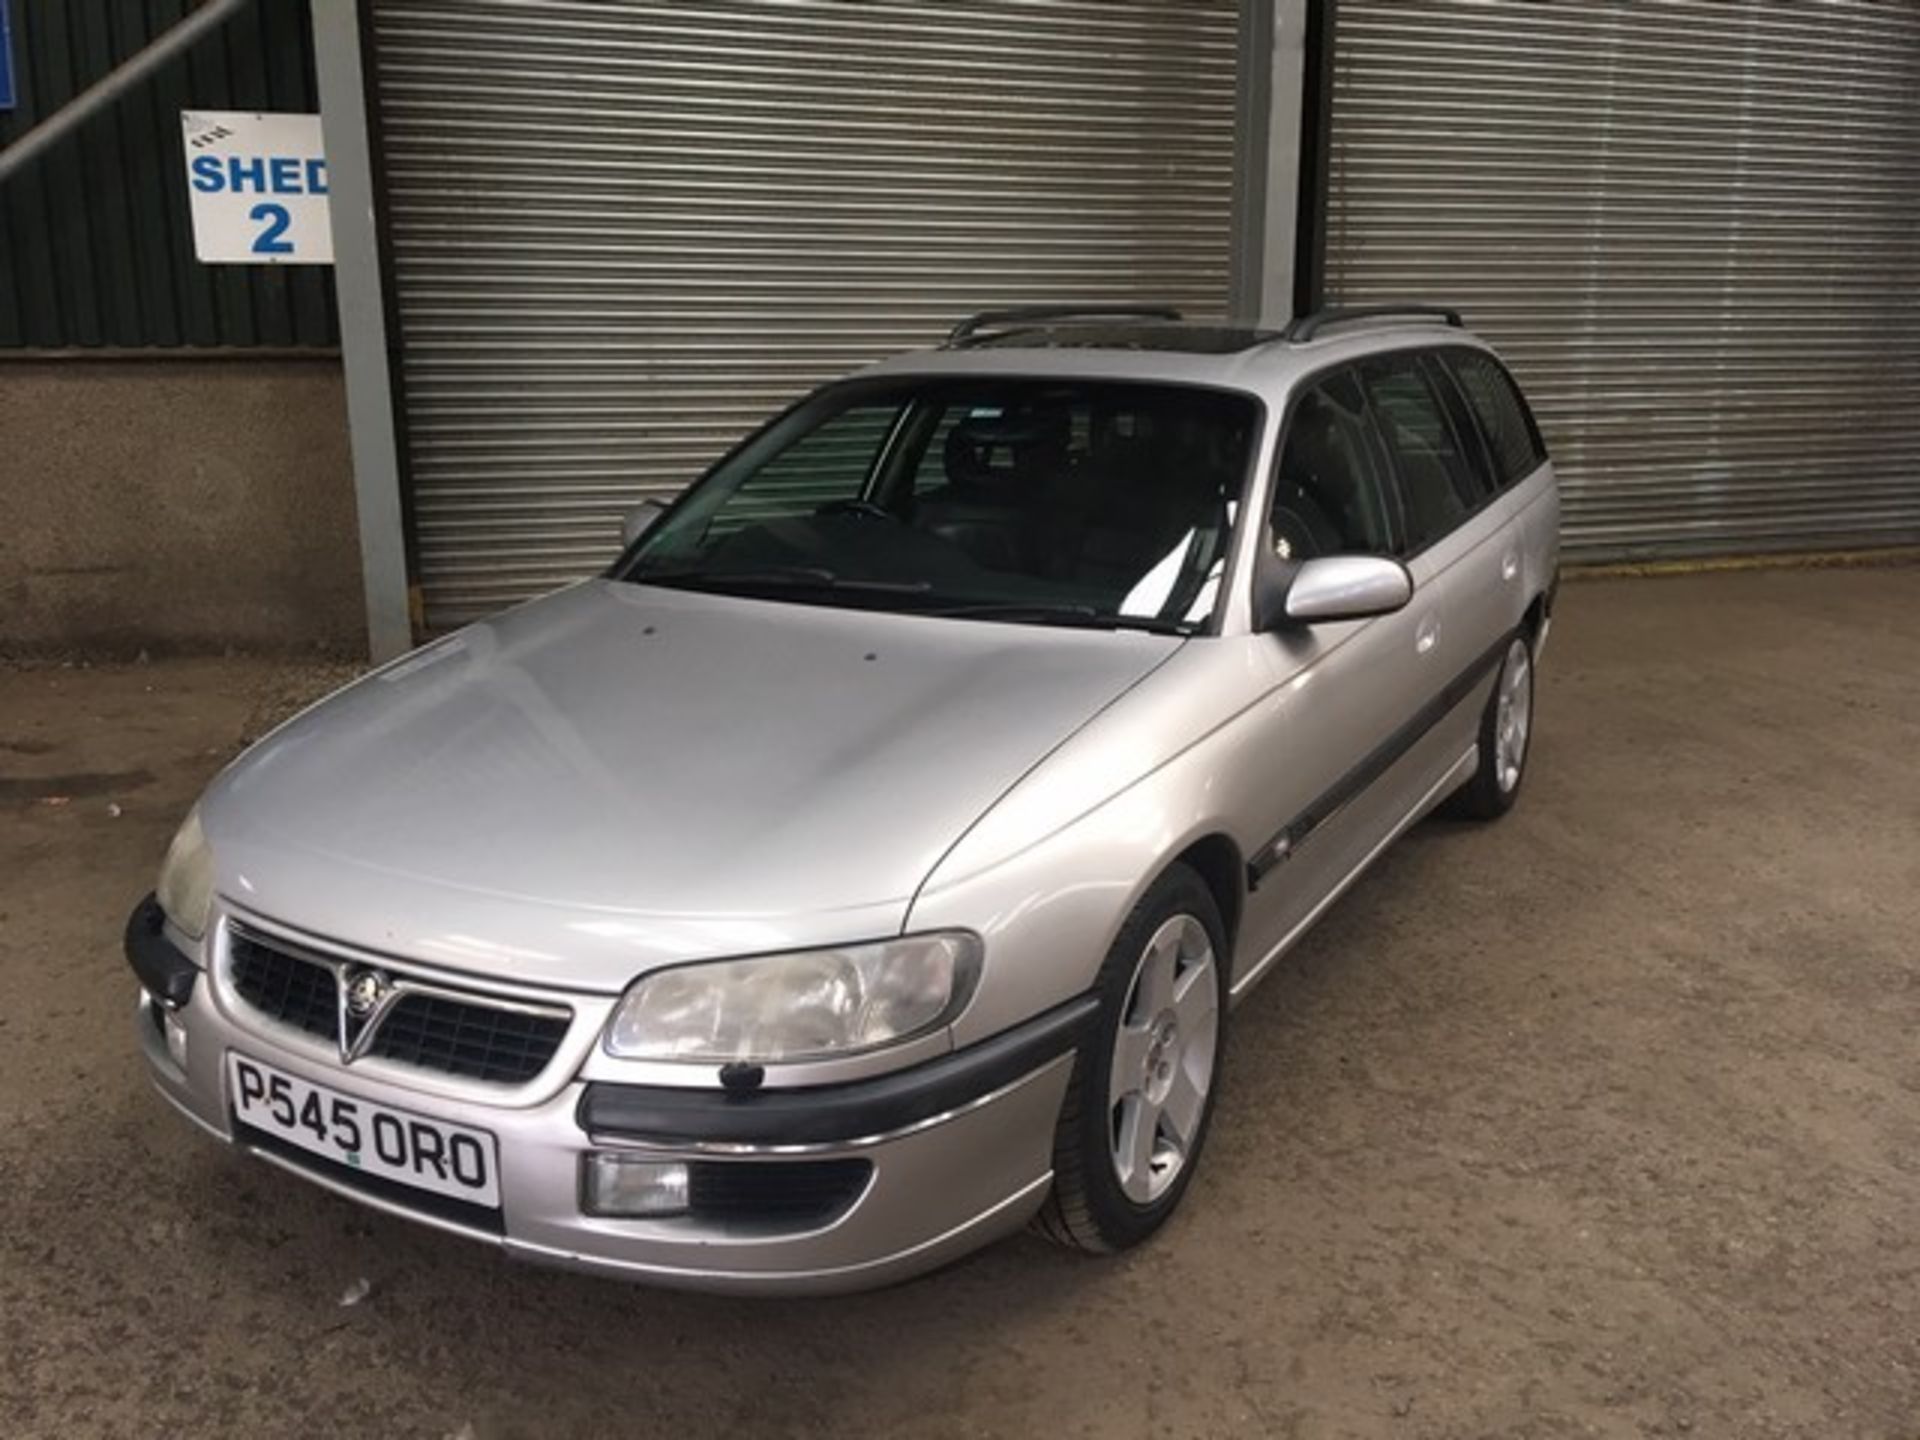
(176, 504)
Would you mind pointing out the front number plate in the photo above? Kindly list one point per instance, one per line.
(396, 1145)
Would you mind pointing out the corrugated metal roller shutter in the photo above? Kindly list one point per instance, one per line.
(1693, 229)
(623, 233)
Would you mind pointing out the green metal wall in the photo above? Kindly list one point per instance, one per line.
(96, 244)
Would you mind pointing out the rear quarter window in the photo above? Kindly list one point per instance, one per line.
(1502, 413)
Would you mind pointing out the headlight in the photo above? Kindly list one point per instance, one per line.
(809, 1005)
(185, 890)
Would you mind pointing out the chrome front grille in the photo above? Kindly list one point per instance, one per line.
(282, 987)
(426, 1025)
(464, 1037)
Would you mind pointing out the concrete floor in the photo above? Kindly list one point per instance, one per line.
(1604, 1120)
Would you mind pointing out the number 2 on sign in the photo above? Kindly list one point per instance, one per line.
(268, 241)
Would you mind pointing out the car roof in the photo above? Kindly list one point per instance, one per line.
(1183, 337)
(1221, 355)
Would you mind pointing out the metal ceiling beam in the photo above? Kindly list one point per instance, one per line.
(114, 84)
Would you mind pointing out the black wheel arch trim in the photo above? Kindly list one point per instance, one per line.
(825, 1114)
(164, 972)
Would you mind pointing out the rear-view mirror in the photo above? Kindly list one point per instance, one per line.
(1347, 587)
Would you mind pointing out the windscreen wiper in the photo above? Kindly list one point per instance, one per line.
(1061, 613)
(808, 577)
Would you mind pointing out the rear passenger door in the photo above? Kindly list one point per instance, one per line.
(1522, 476)
(1462, 551)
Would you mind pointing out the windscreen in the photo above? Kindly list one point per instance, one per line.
(1032, 500)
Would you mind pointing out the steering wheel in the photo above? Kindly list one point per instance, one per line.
(866, 509)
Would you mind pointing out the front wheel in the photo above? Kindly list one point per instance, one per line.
(1506, 726)
(1142, 1091)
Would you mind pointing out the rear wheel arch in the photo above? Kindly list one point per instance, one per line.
(1534, 621)
(1536, 617)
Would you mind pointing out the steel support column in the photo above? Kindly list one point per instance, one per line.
(1267, 139)
(372, 415)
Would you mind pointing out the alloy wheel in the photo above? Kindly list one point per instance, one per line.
(1163, 1059)
(1513, 717)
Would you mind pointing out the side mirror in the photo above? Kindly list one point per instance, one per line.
(640, 519)
(1347, 587)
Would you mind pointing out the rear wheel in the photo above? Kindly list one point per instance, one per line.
(1506, 728)
(1142, 1091)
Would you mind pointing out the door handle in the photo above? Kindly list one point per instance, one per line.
(1426, 635)
(1510, 565)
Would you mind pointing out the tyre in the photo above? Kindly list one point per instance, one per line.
(1137, 1107)
(1506, 727)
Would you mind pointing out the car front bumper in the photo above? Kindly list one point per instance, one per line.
(960, 1148)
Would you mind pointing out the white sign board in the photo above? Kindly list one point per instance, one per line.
(258, 184)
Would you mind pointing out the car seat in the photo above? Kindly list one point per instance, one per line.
(999, 468)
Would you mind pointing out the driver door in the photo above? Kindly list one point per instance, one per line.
(1335, 773)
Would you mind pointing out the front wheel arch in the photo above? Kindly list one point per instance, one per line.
(1217, 860)
(1089, 1207)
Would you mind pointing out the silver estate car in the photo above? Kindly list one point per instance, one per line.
(865, 865)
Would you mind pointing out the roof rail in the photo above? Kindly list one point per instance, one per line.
(1307, 326)
(1021, 316)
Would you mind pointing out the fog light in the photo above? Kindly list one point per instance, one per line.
(176, 1037)
(168, 1027)
(620, 1184)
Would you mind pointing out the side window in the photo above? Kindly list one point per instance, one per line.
(832, 463)
(1325, 500)
(1509, 428)
(1440, 485)
(1472, 443)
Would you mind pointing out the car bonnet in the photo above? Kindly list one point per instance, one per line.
(620, 776)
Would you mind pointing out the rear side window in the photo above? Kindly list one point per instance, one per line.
(1503, 415)
(1440, 483)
